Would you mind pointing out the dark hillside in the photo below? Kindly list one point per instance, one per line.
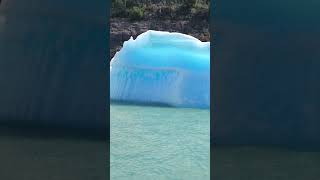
(133, 17)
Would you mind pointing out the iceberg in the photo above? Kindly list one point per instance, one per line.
(162, 67)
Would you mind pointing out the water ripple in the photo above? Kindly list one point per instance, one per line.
(159, 143)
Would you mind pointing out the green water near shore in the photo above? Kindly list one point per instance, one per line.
(159, 143)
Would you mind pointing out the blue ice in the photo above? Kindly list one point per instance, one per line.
(162, 67)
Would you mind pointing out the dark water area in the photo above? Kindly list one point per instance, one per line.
(265, 73)
(53, 63)
(287, 15)
(22, 129)
(35, 151)
(264, 163)
(54, 89)
(29, 156)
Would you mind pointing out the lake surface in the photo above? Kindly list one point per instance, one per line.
(159, 143)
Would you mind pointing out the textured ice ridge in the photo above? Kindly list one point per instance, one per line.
(162, 67)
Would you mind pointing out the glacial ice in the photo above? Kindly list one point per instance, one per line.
(162, 67)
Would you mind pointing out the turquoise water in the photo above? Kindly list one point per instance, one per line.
(159, 143)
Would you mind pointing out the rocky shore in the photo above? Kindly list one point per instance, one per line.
(161, 18)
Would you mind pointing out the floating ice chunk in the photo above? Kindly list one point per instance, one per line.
(162, 67)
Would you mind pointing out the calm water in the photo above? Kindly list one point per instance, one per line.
(159, 143)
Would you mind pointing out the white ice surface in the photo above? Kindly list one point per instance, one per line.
(162, 67)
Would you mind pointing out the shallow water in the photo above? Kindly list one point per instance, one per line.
(159, 143)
